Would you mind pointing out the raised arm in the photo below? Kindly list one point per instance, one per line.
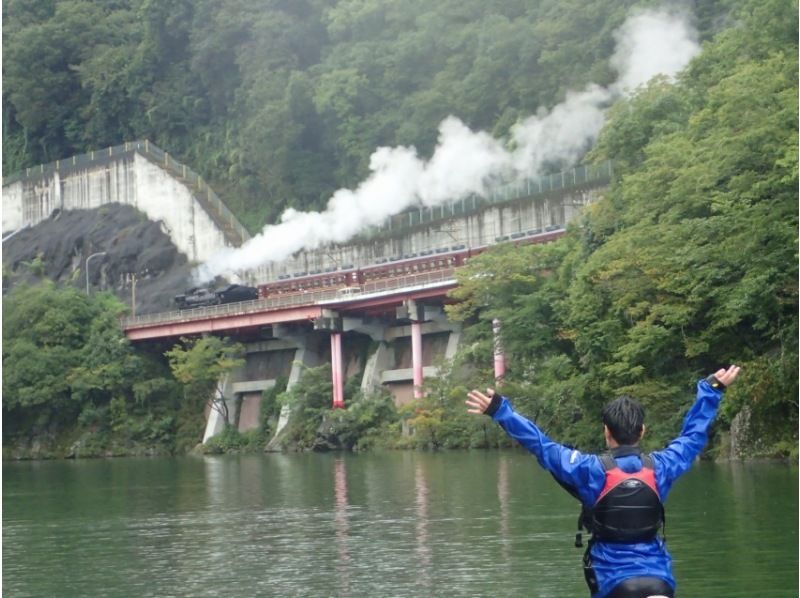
(679, 455)
(570, 466)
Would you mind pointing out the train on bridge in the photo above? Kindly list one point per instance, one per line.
(205, 297)
(348, 279)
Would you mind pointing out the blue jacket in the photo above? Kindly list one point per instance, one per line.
(614, 562)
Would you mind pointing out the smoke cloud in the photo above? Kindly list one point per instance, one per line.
(465, 162)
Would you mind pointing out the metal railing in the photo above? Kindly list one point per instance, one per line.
(202, 191)
(76, 162)
(318, 297)
(445, 275)
(579, 176)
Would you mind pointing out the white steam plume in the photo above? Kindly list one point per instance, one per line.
(464, 162)
(652, 43)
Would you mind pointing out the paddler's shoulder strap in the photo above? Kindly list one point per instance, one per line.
(607, 461)
(647, 461)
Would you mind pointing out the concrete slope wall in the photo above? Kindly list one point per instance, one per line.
(128, 176)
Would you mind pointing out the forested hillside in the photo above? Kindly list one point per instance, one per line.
(280, 102)
(688, 264)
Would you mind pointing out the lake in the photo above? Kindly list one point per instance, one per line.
(471, 523)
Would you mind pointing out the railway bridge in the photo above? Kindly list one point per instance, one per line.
(373, 307)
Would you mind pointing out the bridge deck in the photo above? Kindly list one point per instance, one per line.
(288, 308)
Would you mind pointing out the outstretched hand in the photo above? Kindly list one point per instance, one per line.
(727, 376)
(477, 402)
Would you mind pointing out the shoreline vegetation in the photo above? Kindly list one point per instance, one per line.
(436, 422)
(689, 263)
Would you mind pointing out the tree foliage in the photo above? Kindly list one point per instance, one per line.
(280, 103)
(65, 359)
(201, 365)
(688, 264)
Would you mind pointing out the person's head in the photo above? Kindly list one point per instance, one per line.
(623, 420)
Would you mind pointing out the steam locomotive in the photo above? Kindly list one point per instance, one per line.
(205, 297)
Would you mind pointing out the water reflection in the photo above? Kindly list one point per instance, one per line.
(502, 497)
(423, 549)
(215, 484)
(342, 526)
(399, 524)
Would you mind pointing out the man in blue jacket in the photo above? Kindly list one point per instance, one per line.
(623, 492)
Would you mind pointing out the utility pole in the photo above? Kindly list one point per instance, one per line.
(86, 267)
(499, 353)
(131, 279)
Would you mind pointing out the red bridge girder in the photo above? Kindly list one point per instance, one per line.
(222, 322)
(188, 324)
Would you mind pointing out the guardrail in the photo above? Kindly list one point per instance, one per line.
(576, 177)
(445, 275)
(322, 297)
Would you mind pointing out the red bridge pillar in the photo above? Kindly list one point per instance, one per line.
(499, 354)
(337, 371)
(416, 357)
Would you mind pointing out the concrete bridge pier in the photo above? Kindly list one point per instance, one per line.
(222, 399)
(429, 336)
(377, 363)
(306, 356)
(288, 353)
(333, 322)
(405, 351)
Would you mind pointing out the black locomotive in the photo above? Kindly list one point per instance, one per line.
(205, 297)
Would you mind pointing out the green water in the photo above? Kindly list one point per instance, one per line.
(398, 524)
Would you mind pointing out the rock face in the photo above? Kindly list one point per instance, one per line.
(58, 247)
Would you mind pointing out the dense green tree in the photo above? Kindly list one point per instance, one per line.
(309, 401)
(65, 360)
(201, 365)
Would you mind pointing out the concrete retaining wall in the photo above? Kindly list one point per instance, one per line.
(127, 179)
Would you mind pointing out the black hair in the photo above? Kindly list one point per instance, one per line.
(624, 417)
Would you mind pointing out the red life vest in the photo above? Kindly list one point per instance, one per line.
(629, 508)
